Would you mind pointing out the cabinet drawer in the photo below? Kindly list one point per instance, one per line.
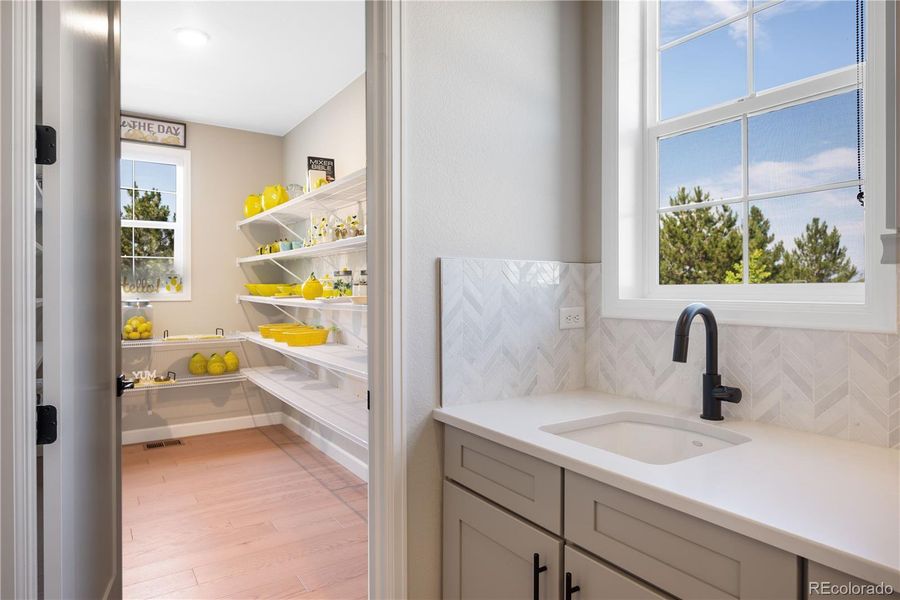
(525, 485)
(680, 554)
(598, 581)
(836, 585)
(489, 554)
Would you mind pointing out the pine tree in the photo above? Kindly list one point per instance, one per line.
(147, 206)
(699, 245)
(818, 256)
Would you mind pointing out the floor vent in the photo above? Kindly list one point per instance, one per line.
(162, 444)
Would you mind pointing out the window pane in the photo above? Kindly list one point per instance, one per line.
(154, 176)
(801, 38)
(154, 242)
(153, 268)
(708, 158)
(126, 173)
(154, 206)
(126, 267)
(705, 71)
(701, 246)
(809, 238)
(804, 145)
(125, 204)
(126, 242)
(678, 18)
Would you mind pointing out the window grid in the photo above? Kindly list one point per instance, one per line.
(799, 92)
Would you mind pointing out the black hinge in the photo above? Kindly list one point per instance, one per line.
(368, 400)
(44, 145)
(123, 384)
(46, 424)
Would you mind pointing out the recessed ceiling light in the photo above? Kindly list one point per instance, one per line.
(192, 37)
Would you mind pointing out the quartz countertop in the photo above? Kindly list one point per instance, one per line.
(829, 500)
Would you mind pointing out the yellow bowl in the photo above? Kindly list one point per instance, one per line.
(309, 336)
(266, 289)
(251, 287)
(284, 289)
(280, 335)
(297, 289)
(268, 330)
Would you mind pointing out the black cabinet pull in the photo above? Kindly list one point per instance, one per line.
(537, 569)
(570, 589)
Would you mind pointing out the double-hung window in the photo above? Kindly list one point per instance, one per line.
(744, 161)
(154, 209)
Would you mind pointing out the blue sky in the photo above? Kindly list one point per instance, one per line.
(795, 147)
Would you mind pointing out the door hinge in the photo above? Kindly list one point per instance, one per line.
(44, 145)
(123, 384)
(46, 424)
(368, 400)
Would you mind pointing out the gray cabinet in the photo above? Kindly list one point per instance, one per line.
(595, 580)
(490, 554)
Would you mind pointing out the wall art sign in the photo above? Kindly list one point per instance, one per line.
(153, 131)
(320, 171)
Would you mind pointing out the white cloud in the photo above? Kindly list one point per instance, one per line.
(828, 166)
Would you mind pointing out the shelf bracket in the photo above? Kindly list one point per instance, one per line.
(288, 229)
(289, 315)
(286, 270)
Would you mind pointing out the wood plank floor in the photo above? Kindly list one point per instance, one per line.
(255, 513)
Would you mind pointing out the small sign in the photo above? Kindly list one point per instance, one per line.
(153, 131)
(320, 171)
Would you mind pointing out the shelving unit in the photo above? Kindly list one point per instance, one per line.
(162, 343)
(338, 358)
(339, 194)
(355, 244)
(339, 411)
(190, 382)
(301, 303)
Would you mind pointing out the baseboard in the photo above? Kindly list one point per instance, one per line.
(139, 436)
(328, 448)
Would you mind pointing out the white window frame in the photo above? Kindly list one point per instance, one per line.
(181, 158)
(630, 197)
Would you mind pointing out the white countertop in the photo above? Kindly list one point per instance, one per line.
(829, 500)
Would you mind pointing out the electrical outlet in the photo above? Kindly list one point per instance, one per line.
(571, 317)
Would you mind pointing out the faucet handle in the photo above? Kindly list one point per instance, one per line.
(727, 394)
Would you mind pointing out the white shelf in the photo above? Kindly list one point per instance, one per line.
(301, 303)
(339, 358)
(340, 193)
(336, 409)
(191, 382)
(354, 244)
(160, 342)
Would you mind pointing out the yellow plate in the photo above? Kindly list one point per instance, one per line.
(252, 288)
(266, 289)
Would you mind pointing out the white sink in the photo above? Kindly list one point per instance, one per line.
(649, 438)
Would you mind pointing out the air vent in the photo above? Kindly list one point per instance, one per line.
(162, 444)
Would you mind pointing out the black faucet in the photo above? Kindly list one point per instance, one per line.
(714, 393)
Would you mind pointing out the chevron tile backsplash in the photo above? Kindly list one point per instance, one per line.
(500, 333)
(500, 338)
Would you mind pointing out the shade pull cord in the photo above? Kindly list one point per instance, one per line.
(860, 134)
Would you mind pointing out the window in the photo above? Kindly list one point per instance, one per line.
(747, 131)
(154, 208)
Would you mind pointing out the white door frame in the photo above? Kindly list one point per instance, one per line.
(387, 439)
(18, 483)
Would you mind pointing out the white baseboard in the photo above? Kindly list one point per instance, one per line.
(139, 436)
(328, 448)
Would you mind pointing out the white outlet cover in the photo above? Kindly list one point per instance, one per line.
(571, 317)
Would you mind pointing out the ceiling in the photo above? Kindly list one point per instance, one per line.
(267, 65)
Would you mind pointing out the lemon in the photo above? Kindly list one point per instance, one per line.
(312, 287)
(197, 364)
(146, 335)
(134, 335)
(232, 363)
(216, 365)
(127, 329)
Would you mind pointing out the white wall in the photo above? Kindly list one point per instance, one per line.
(336, 130)
(491, 168)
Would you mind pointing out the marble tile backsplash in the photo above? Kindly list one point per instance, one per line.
(500, 333)
(834, 383)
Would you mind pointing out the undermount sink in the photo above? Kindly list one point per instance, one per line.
(649, 438)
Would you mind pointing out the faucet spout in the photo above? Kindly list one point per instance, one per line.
(714, 393)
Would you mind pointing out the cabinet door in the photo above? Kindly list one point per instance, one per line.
(489, 553)
(597, 581)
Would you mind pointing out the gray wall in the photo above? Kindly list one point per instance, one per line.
(491, 168)
(336, 130)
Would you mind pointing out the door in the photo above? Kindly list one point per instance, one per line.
(586, 578)
(490, 554)
(80, 82)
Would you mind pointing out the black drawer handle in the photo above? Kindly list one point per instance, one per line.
(570, 589)
(537, 569)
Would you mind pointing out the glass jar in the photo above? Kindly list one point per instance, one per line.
(328, 287)
(343, 282)
(137, 320)
(360, 285)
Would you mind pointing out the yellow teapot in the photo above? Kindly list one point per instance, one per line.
(252, 206)
(273, 195)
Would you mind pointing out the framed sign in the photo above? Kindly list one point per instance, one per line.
(153, 131)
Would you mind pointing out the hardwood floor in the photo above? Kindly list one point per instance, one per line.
(255, 513)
